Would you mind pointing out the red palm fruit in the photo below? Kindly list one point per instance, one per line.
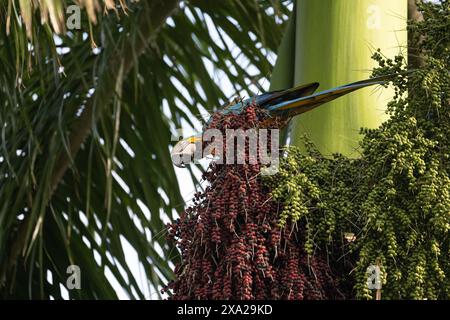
(229, 241)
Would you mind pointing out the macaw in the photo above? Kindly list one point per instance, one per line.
(281, 105)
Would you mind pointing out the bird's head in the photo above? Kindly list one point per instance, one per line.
(183, 152)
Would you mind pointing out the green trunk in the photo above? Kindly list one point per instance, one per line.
(331, 41)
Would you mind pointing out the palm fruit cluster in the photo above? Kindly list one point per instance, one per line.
(394, 201)
(230, 241)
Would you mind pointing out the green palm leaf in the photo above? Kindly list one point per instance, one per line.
(85, 170)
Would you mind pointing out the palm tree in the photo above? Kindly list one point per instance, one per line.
(86, 120)
(332, 42)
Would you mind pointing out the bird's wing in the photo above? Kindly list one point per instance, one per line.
(278, 96)
(290, 102)
(272, 97)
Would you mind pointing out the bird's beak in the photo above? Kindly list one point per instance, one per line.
(183, 152)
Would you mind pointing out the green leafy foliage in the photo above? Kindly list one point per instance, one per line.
(107, 115)
(394, 199)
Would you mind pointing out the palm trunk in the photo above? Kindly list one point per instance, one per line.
(332, 42)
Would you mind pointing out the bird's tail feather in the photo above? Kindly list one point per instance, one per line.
(303, 104)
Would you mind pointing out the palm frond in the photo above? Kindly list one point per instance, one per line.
(85, 170)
